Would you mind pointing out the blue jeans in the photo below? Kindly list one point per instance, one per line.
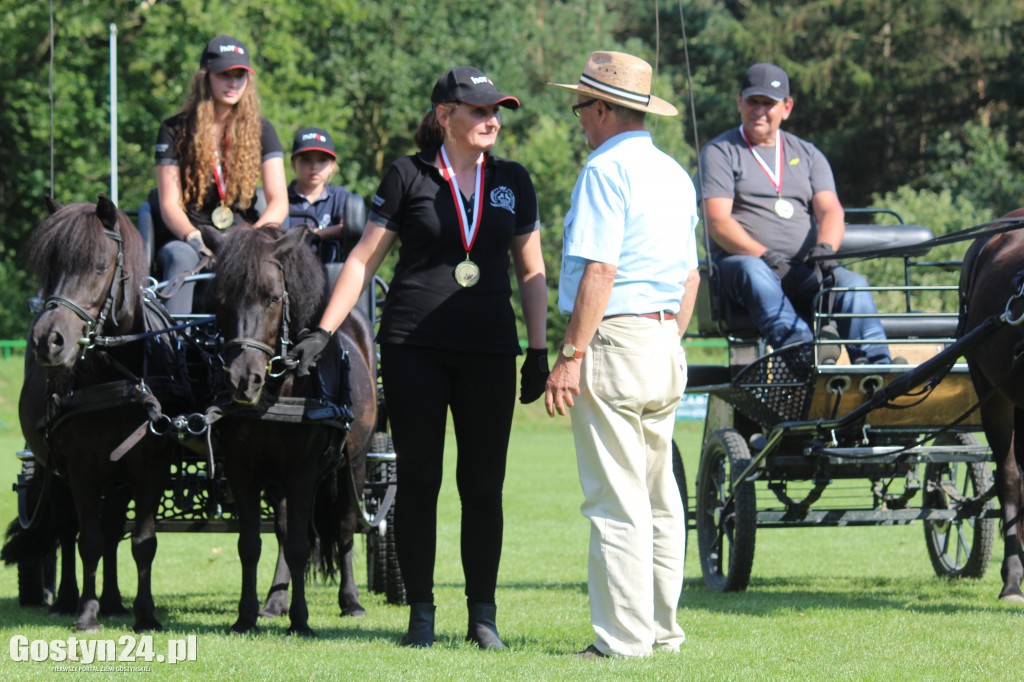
(781, 308)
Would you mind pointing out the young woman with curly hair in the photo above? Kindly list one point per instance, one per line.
(210, 158)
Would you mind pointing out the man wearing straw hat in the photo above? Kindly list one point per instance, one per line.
(628, 283)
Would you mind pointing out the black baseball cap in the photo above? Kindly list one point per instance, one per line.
(223, 53)
(469, 85)
(313, 140)
(767, 80)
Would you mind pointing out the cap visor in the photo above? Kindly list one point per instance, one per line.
(504, 100)
(315, 149)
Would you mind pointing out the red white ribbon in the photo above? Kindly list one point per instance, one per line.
(775, 177)
(466, 228)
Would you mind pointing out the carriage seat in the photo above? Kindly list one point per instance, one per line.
(717, 315)
(155, 234)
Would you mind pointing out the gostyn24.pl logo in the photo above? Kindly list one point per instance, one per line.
(126, 649)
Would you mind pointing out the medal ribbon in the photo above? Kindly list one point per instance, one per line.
(775, 177)
(466, 229)
(221, 185)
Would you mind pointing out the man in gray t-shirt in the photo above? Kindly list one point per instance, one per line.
(770, 202)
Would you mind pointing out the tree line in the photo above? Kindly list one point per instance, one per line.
(915, 104)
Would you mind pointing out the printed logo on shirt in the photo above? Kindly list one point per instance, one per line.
(325, 220)
(161, 148)
(794, 162)
(378, 200)
(503, 197)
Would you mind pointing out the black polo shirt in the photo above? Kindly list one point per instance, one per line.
(425, 306)
(166, 154)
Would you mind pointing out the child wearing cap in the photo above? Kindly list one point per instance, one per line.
(312, 200)
(210, 158)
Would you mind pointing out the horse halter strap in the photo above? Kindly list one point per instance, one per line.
(93, 326)
(284, 340)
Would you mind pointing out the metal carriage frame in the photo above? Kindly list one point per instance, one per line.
(788, 433)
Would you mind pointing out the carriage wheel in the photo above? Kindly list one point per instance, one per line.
(725, 533)
(680, 473)
(960, 548)
(383, 574)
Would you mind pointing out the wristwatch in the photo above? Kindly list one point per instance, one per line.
(569, 352)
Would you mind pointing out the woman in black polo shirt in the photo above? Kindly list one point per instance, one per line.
(448, 333)
(210, 158)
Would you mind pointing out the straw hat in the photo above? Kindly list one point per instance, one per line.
(621, 79)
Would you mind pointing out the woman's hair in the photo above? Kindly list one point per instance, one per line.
(430, 134)
(241, 132)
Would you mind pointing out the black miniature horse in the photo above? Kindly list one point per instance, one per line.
(81, 401)
(990, 284)
(279, 433)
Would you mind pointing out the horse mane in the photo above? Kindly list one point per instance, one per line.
(244, 254)
(67, 242)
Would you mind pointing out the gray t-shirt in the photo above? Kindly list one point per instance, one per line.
(730, 170)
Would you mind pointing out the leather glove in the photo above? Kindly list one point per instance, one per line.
(195, 240)
(534, 375)
(778, 262)
(308, 349)
(827, 265)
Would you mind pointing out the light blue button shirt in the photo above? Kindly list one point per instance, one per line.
(635, 208)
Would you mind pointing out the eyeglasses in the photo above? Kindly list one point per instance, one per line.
(582, 105)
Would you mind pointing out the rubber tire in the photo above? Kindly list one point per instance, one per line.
(680, 474)
(973, 479)
(725, 454)
(383, 573)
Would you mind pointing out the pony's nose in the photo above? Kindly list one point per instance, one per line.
(55, 342)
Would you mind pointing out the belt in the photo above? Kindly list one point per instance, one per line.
(660, 315)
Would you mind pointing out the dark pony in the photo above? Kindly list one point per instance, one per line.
(990, 285)
(81, 401)
(281, 433)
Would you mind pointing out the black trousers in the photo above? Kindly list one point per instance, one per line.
(420, 385)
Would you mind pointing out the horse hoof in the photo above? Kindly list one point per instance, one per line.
(356, 611)
(1012, 599)
(87, 625)
(277, 605)
(304, 631)
(240, 628)
(148, 625)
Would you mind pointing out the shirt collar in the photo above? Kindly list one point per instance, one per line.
(618, 139)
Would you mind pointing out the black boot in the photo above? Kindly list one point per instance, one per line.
(421, 626)
(482, 629)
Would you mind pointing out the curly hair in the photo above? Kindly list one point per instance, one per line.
(241, 132)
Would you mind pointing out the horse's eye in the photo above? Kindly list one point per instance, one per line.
(103, 268)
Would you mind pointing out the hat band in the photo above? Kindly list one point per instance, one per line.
(635, 97)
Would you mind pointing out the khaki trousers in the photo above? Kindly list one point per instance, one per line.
(631, 381)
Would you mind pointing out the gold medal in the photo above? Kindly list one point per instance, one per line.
(222, 217)
(467, 273)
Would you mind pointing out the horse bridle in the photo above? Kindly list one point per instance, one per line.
(94, 325)
(284, 341)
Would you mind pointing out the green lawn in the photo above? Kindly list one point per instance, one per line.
(852, 604)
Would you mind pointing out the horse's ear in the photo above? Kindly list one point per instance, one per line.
(106, 211)
(51, 205)
(292, 238)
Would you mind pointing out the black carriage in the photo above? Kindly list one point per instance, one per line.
(197, 498)
(792, 441)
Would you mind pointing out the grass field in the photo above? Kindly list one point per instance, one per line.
(851, 604)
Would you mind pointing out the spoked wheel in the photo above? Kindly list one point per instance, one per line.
(725, 528)
(680, 473)
(960, 548)
(383, 573)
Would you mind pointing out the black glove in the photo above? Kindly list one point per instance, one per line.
(534, 375)
(305, 353)
(827, 265)
(778, 262)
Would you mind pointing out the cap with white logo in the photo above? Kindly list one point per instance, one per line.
(766, 80)
(224, 53)
(469, 85)
(313, 140)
